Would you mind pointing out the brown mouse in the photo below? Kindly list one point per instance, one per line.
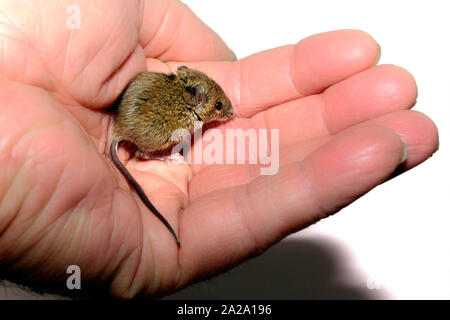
(154, 105)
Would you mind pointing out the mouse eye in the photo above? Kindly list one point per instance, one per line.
(218, 105)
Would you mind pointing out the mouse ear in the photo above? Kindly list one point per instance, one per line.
(195, 95)
(181, 73)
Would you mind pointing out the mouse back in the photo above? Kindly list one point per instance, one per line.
(155, 105)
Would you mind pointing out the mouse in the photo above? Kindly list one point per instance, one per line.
(153, 106)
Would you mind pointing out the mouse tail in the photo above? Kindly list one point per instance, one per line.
(115, 158)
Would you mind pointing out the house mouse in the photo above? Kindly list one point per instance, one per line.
(154, 105)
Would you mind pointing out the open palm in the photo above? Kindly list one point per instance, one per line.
(343, 127)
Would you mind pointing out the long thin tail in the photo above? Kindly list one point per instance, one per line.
(114, 157)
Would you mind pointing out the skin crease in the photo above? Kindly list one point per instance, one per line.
(64, 203)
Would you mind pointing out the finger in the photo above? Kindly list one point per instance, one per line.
(302, 122)
(366, 95)
(279, 75)
(225, 227)
(170, 31)
(417, 131)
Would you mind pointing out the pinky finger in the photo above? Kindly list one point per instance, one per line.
(226, 226)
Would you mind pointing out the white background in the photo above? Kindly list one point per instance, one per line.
(395, 241)
(397, 237)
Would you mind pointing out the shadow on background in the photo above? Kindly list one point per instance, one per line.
(296, 268)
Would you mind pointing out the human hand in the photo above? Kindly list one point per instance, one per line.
(343, 125)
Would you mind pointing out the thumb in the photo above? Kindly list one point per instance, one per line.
(170, 31)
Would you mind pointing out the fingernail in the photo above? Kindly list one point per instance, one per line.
(377, 59)
(405, 154)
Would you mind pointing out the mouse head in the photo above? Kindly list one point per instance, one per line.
(204, 96)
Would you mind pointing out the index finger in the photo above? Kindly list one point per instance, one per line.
(275, 76)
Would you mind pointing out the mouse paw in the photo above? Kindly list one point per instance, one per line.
(175, 158)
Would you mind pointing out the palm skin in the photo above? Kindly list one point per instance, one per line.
(343, 127)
